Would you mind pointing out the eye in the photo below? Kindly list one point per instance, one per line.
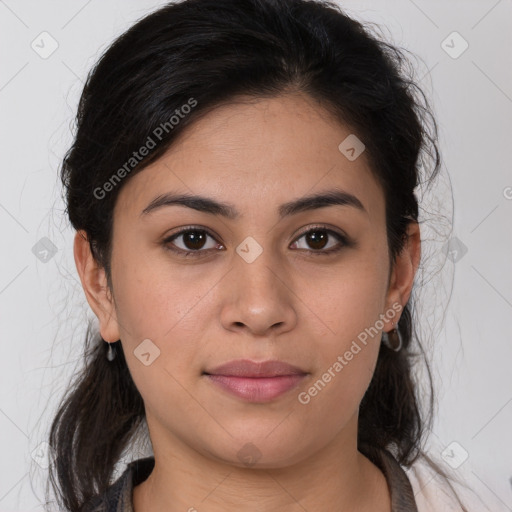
(321, 240)
(190, 240)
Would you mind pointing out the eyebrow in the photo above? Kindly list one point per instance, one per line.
(333, 197)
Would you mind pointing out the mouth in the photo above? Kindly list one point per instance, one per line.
(257, 382)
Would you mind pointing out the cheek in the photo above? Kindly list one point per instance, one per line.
(149, 309)
(153, 300)
(351, 298)
(346, 359)
(167, 308)
(333, 397)
(351, 308)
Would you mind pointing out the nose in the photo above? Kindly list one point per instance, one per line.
(259, 298)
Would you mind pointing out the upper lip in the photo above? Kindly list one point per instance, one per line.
(248, 368)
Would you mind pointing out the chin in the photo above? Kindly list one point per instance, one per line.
(259, 451)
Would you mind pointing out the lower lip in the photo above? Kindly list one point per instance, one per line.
(257, 389)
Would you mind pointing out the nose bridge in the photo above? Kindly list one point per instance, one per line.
(259, 298)
(253, 259)
(257, 279)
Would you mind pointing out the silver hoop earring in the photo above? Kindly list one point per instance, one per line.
(393, 339)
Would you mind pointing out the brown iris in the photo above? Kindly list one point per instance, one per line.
(317, 239)
(194, 239)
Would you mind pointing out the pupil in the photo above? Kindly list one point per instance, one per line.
(194, 239)
(317, 239)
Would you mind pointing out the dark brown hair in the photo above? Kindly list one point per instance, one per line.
(213, 51)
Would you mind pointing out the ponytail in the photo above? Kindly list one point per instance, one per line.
(93, 425)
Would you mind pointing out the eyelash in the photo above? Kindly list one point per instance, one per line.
(344, 241)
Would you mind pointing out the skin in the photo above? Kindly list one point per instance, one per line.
(289, 304)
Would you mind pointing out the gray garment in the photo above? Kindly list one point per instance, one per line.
(118, 497)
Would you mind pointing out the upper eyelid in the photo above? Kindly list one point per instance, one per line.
(319, 227)
(186, 229)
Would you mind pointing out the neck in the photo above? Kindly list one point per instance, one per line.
(185, 480)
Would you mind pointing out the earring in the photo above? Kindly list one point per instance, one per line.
(392, 339)
(110, 354)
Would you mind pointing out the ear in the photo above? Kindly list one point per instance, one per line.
(94, 283)
(403, 272)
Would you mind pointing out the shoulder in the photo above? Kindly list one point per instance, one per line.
(433, 493)
(400, 490)
(119, 496)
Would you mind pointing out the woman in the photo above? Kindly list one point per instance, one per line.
(242, 186)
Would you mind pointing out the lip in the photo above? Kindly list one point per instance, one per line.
(256, 381)
(248, 368)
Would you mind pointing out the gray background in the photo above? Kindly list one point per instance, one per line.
(466, 329)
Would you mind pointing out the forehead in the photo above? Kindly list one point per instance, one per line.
(257, 153)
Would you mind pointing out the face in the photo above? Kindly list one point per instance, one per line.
(262, 277)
